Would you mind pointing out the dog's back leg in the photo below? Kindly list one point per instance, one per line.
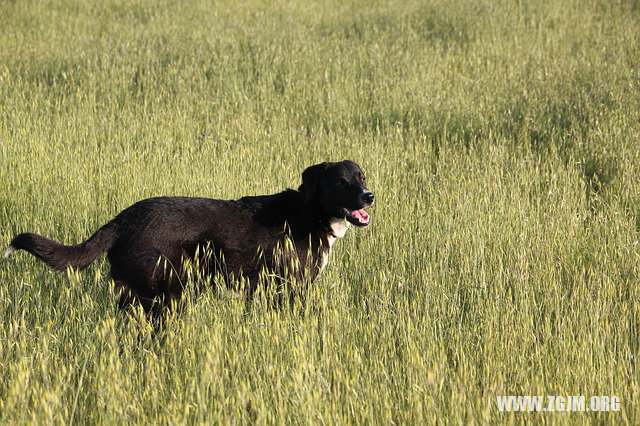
(129, 299)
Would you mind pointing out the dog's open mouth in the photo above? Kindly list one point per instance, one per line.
(358, 217)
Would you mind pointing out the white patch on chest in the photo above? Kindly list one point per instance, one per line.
(325, 260)
(339, 229)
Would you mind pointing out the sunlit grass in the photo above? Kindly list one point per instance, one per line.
(500, 138)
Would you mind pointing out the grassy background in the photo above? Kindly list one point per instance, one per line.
(500, 138)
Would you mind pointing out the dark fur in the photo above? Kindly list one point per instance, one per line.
(156, 233)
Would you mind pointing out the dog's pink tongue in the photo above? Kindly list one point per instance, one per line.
(361, 215)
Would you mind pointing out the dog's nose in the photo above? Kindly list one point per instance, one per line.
(368, 197)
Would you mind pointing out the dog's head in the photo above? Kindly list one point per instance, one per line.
(339, 190)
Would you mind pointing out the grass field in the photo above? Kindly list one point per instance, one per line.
(501, 139)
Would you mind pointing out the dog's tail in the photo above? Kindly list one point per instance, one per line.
(59, 256)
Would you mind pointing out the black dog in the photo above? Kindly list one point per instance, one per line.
(244, 235)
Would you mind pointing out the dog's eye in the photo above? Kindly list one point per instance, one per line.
(341, 182)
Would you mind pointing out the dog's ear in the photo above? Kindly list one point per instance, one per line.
(310, 178)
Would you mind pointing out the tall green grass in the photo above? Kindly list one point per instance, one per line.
(500, 138)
